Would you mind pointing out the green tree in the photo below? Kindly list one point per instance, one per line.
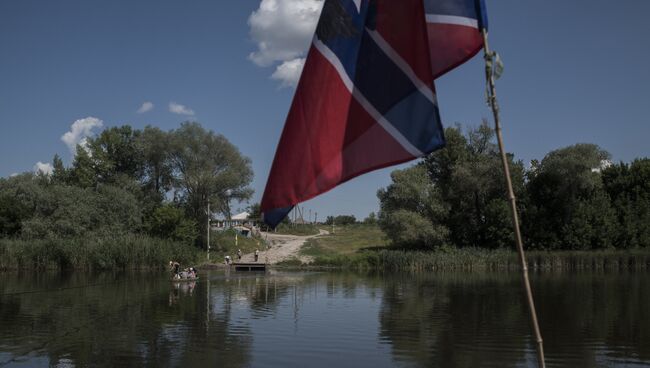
(115, 152)
(371, 219)
(83, 172)
(255, 212)
(60, 175)
(206, 166)
(156, 167)
(169, 222)
(469, 176)
(568, 206)
(412, 210)
(628, 186)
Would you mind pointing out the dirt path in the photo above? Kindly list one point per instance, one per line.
(283, 247)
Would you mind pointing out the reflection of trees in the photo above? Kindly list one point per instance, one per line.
(119, 323)
(452, 320)
(459, 320)
(470, 320)
(596, 311)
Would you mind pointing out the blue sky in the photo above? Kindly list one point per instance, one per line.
(575, 71)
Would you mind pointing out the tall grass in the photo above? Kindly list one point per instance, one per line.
(483, 259)
(223, 243)
(297, 229)
(94, 253)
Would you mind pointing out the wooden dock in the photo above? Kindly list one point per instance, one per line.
(249, 266)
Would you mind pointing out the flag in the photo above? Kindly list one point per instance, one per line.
(365, 99)
(453, 28)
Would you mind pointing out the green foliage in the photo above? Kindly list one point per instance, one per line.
(340, 220)
(456, 196)
(469, 175)
(255, 212)
(223, 243)
(296, 229)
(345, 240)
(371, 219)
(169, 222)
(118, 183)
(84, 171)
(628, 186)
(569, 200)
(115, 152)
(470, 258)
(93, 253)
(411, 209)
(568, 207)
(207, 167)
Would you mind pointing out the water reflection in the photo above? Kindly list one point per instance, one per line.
(322, 320)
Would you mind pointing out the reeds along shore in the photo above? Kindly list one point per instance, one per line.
(107, 253)
(483, 259)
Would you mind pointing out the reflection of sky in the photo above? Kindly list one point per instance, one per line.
(310, 319)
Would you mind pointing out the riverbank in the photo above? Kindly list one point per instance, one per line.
(477, 259)
(94, 253)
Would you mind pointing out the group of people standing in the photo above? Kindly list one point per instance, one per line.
(239, 256)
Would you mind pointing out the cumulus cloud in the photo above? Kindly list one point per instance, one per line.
(288, 73)
(282, 30)
(79, 132)
(14, 174)
(146, 106)
(179, 109)
(43, 168)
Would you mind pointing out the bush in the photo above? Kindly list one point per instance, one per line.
(94, 253)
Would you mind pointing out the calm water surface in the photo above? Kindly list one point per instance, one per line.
(322, 320)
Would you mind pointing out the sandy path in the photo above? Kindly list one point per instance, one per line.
(283, 247)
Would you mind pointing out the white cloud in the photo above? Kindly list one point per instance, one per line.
(146, 106)
(14, 174)
(43, 168)
(283, 30)
(288, 73)
(179, 109)
(79, 132)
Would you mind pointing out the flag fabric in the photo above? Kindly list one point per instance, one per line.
(365, 99)
(453, 28)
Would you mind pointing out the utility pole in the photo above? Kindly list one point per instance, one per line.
(208, 237)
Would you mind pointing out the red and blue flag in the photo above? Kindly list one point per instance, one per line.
(366, 98)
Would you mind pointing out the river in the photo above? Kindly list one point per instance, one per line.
(322, 319)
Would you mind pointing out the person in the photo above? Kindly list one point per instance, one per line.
(257, 254)
(239, 254)
(227, 259)
(192, 274)
(175, 268)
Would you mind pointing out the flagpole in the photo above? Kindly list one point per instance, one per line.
(492, 100)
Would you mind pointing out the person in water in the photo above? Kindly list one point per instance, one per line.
(175, 268)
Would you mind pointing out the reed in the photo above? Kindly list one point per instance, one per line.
(94, 253)
(484, 259)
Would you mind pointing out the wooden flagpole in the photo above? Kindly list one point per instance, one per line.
(492, 100)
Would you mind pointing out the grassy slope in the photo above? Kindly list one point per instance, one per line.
(297, 229)
(345, 240)
(223, 243)
(365, 247)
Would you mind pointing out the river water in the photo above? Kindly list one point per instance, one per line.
(323, 319)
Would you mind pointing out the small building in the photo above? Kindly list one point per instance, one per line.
(240, 222)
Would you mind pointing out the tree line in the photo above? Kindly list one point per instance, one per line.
(574, 198)
(126, 181)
